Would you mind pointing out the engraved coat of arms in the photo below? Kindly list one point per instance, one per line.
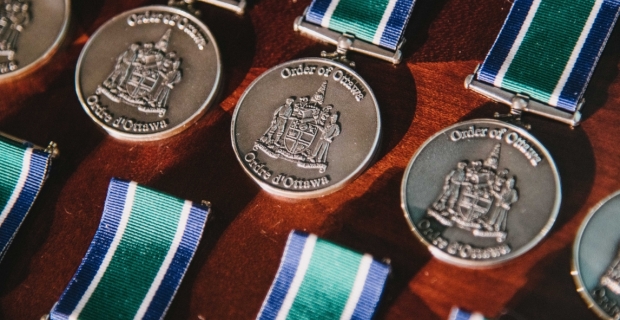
(476, 197)
(301, 131)
(14, 16)
(144, 76)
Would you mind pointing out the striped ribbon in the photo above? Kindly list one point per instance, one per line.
(381, 22)
(137, 259)
(320, 280)
(548, 49)
(23, 169)
(458, 314)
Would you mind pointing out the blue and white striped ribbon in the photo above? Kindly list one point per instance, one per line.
(320, 280)
(548, 49)
(138, 257)
(23, 170)
(380, 22)
(458, 314)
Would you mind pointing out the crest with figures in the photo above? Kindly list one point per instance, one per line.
(477, 197)
(301, 131)
(14, 16)
(144, 76)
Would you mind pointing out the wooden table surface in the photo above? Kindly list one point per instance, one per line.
(240, 252)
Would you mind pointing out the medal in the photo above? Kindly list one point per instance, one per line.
(23, 170)
(482, 192)
(148, 73)
(472, 193)
(596, 258)
(307, 127)
(30, 33)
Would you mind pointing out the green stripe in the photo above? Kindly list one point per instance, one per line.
(328, 283)
(547, 47)
(11, 161)
(360, 18)
(151, 228)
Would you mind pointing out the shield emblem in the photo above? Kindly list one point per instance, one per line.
(141, 82)
(472, 205)
(299, 137)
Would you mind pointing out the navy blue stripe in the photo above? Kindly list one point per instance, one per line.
(284, 278)
(317, 10)
(505, 40)
(371, 294)
(112, 213)
(588, 57)
(39, 163)
(172, 279)
(397, 22)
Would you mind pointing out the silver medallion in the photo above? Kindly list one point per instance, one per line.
(481, 192)
(30, 33)
(596, 258)
(306, 127)
(148, 73)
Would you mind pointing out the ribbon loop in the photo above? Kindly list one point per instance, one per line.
(138, 257)
(320, 280)
(23, 170)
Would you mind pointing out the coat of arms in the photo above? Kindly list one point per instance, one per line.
(611, 278)
(14, 16)
(476, 197)
(302, 131)
(143, 76)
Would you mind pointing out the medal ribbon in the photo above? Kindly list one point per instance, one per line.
(548, 49)
(23, 169)
(458, 314)
(320, 280)
(137, 259)
(380, 22)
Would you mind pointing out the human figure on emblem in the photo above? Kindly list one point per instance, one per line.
(324, 115)
(123, 68)
(503, 201)
(170, 76)
(328, 133)
(451, 188)
(13, 17)
(278, 124)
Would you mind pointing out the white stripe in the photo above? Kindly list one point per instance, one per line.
(499, 78)
(328, 13)
(21, 181)
(358, 287)
(555, 96)
(476, 316)
(131, 192)
(384, 21)
(176, 242)
(304, 262)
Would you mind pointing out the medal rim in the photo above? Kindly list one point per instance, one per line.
(334, 187)
(117, 134)
(480, 264)
(576, 270)
(48, 54)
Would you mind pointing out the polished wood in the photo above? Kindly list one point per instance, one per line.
(240, 251)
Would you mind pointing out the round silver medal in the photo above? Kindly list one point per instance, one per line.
(30, 33)
(148, 73)
(480, 193)
(306, 127)
(596, 258)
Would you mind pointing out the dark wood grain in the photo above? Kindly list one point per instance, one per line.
(239, 254)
